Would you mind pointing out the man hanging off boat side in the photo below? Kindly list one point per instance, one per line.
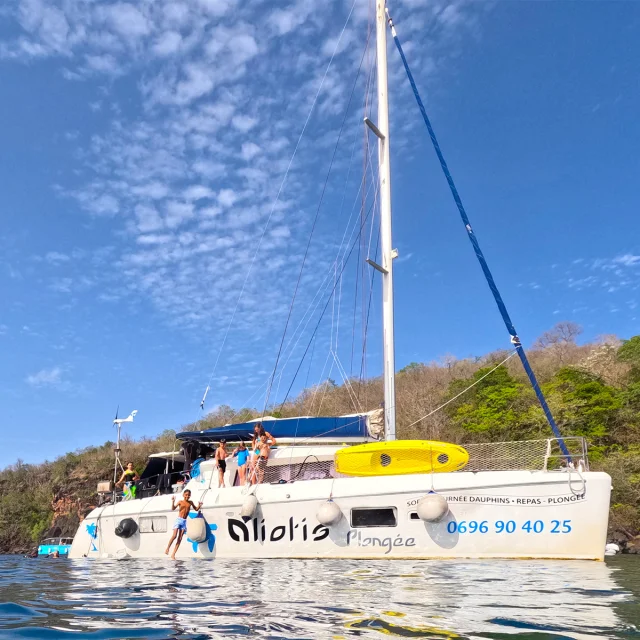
(180, 526)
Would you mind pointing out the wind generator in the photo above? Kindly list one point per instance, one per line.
(118, 422)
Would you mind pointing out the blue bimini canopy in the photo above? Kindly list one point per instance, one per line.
(360, 426)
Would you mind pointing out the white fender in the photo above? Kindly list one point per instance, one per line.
(328, 513)
(432, 508)
(196, 529)
(249, 507)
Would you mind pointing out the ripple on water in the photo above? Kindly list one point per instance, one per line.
(273, 599)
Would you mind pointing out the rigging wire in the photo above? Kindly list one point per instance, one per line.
(315, 220)
(275, 202)
(344, 264)
(442, 406)
(312, 307)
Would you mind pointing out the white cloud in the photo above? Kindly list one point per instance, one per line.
(227, 197)
(209, 168)
(285, 20)
(243, 47)
(127, 20)
(216, 7)
(54, 257)
(153, 190)
(47, 21)
(154, 238)
(198, 81)
(45, 378)
(105, 63)
(198, 192)
(178, 213)
(167, 44)
(243, 123)
(148, 218)
(250, 150)
(627, 260)
(62, 285)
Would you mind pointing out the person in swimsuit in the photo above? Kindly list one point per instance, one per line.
(127, 479)
(184, 506)
(258, 432)
(264, 448)
(128, 475)
(242, 453)
(221, 461)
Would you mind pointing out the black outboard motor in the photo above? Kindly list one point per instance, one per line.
(126, 528)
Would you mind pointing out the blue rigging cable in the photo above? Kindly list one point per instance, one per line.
(515, 340)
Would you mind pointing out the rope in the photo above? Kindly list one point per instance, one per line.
(442, 406)
(273, 208)
(347, 383)
(515, 340)
(582, 490)
(344, 264)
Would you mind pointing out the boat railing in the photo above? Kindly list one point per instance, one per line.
(528, 455)
(524, 455)
(161, 484)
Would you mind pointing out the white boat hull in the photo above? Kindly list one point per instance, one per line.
(492, 514)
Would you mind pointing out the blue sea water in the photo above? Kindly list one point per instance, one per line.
(194, 600)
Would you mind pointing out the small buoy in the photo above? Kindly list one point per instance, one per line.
(197, 529)
(126, 528)
(432, 508)
(248, 507)
(328, 513)
(611, 549)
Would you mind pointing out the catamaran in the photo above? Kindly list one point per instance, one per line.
(344, 487)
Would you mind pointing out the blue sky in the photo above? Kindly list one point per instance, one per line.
(144, 144)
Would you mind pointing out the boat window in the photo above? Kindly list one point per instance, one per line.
(374, 517)
(153, 524)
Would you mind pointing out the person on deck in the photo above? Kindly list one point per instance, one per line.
(127, 479)
(258, 432)
(264, 448)
(128, 475)
(180, 526)
(242, 453)
(221, 461)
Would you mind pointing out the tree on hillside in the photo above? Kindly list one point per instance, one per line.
(498, 407)
(559, 342)
(629, 353)
(584, 405)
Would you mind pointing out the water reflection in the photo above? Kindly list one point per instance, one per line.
(318, 599)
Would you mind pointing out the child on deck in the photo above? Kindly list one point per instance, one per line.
(243, 454)
(184, 506)
(221, 461)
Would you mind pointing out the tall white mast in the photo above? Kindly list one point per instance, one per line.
(388, 253)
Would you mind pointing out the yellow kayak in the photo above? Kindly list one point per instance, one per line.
(399, 457)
